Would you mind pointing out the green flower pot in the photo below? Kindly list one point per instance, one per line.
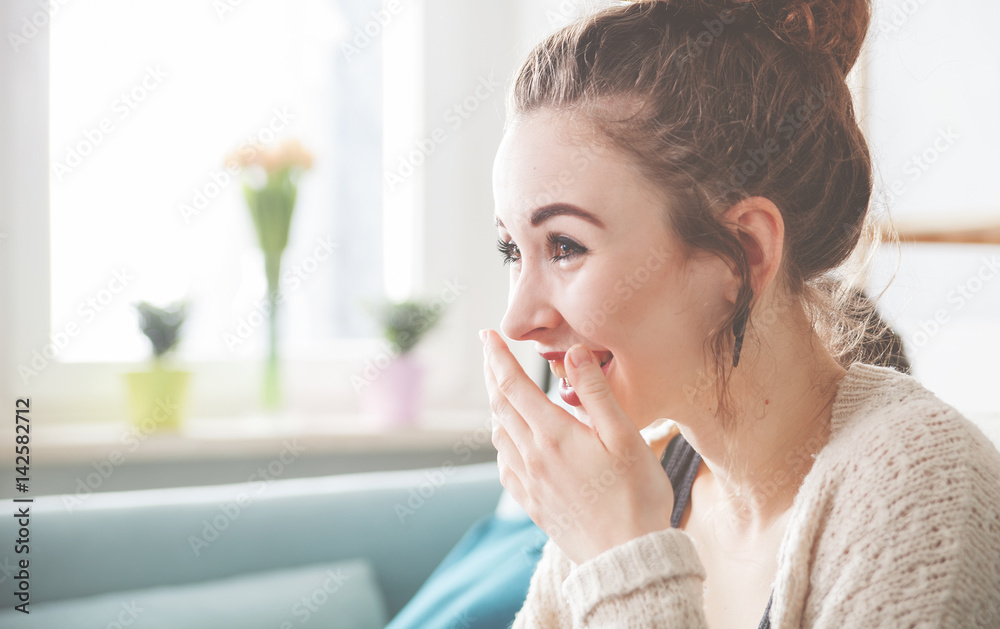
(158, 398)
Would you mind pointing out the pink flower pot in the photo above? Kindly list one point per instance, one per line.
(394, 397)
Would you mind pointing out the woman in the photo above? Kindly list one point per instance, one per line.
(677, 188)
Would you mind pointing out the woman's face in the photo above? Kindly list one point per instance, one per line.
(593, 262)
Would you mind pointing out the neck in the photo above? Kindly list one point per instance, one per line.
(783, 402)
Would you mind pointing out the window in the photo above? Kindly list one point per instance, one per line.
(429, 236)
(147, 99)
(142, 139)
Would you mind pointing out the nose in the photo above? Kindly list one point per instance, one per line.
(530, 309)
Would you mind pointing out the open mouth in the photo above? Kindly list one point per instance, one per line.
(566, 391)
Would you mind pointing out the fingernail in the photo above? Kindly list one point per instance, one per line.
(579, 355)
(482, 336)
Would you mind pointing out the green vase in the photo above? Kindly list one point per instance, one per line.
(272, 398)
(271, 207)
(158, 398)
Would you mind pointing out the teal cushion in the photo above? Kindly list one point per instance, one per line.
(342, 594)
(482, 582)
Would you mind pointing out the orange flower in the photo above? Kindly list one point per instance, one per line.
(272, 158)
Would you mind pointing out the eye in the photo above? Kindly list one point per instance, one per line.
(509, 251)
(564, 248)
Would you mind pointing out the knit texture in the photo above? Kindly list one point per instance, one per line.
(896, 525)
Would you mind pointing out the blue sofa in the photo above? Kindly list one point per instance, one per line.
(337, 551)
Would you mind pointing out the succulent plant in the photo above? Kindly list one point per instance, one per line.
(161, 325)
(405, 323)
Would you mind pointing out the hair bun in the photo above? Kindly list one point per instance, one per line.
(833, 27)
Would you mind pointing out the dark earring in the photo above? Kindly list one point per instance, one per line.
(740, 328)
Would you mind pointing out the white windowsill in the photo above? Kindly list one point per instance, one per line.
(221, 438)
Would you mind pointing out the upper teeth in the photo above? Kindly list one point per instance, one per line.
(559, 367)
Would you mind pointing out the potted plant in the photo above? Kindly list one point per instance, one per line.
(392, 383)
(157, 397)
(270, 187)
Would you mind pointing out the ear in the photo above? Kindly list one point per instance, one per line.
(761, 230)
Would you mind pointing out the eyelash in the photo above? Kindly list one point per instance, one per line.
(507, 249)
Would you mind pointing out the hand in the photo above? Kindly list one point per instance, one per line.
(588, 488)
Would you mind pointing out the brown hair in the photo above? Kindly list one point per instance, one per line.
(720, 100)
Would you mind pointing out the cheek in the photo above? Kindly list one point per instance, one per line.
(596, 308)
(655, 320)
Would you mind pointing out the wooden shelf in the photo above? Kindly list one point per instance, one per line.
(985, 233)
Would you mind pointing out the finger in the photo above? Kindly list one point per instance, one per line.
(521, 391)
(507, 450)
(504, 413)
(512, 483)
(583, 369)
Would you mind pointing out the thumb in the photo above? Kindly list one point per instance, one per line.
(592, 387)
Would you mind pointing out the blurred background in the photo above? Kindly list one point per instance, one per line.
(137, 139)
(245, 250)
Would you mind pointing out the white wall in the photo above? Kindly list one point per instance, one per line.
(467, 43)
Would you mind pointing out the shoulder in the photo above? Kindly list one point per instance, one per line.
(890, 423)
(902, 504)
(895, 445)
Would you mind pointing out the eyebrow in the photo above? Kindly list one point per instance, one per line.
(546, 212)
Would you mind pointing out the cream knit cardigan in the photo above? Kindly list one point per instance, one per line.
(896, 525)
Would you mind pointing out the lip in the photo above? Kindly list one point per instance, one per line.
(603, 355)
(556, 365)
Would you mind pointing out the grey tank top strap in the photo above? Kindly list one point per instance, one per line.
(681, 463)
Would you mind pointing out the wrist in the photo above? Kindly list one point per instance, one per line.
(657, 557)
